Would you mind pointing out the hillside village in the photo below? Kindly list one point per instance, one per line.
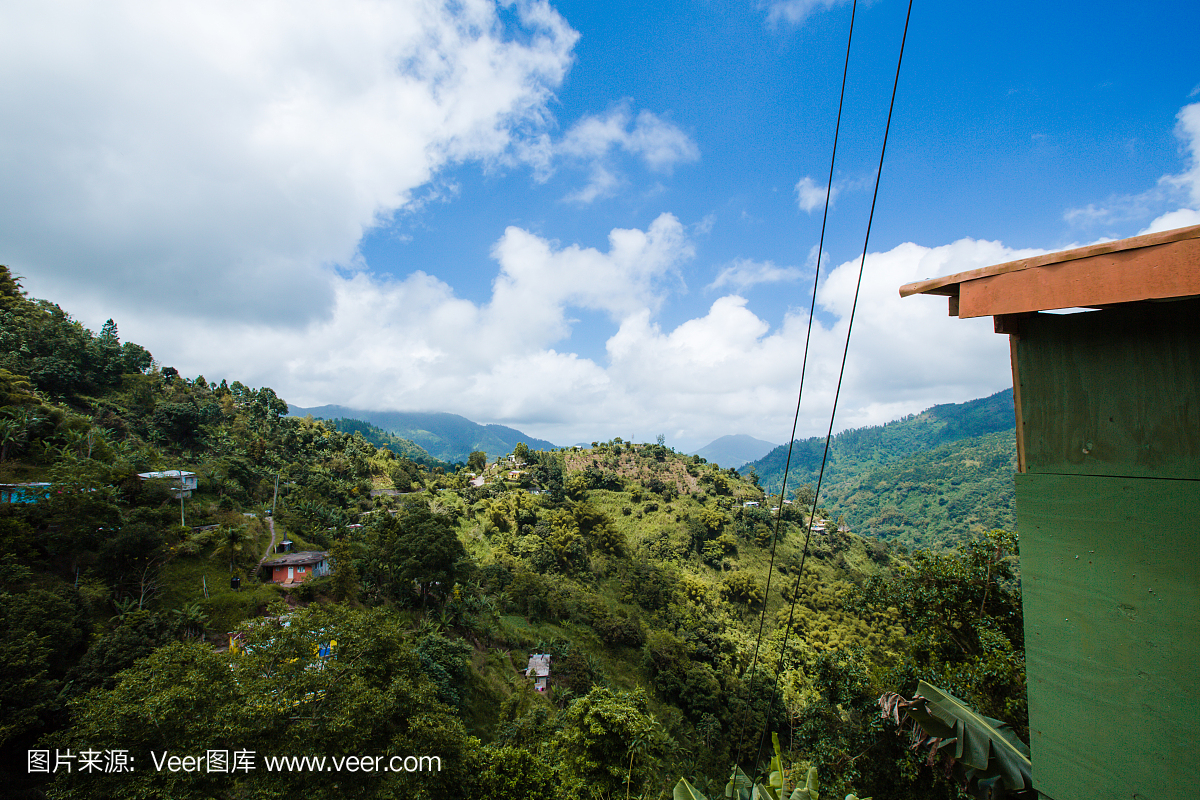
(599, 620)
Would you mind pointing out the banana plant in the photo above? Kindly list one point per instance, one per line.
(740, 787)
(986, 750)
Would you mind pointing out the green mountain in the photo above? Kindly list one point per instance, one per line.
(447, 437)
(735, 450)
(928, 480)
(381, 438)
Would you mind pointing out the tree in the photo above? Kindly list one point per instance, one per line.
(345, 576)
(277, 697)
(602, 733)
(963, 625)
(414, 549)
(477, 461)
(232, 543)
(521, 453)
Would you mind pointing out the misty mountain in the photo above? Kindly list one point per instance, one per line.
(735, 450)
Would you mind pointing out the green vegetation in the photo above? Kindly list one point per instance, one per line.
(930, 480)
(643, 573)
(381, 438)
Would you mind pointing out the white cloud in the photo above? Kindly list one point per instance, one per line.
(744, 273)
(810, 196)
(241, 149)
(1166, 200)
(1182, 218)
(794, 12)
(1188, 131)
(413, 344)
(728, 371)
(657, 143)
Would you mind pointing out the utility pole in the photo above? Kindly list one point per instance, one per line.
(275, 497)
(182, 521)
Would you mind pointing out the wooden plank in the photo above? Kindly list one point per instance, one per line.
(948, 284)
(1109, 570)
(1148, 273)
(1112, 392)
(1020, 419)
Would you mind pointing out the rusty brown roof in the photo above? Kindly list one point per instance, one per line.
(1156, 266)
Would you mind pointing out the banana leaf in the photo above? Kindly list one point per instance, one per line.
(739, 785)
(685, 791)
(809, 792)
(987, 745)
(776, 777)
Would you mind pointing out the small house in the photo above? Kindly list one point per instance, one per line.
(178, 481)
(293, 568)
(750, 504)
(24, 492)
(539, 670)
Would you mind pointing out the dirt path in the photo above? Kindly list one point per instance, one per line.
(270, 547)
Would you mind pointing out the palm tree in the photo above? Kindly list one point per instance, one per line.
(231, 543)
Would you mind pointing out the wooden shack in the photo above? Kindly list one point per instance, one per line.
(1107, 404)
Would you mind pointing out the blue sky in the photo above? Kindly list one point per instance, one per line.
(582, 220)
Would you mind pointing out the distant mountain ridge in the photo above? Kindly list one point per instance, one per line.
(735, 450)
(927, 480)
(447, 437)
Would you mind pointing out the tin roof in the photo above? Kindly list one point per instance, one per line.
(1156, 266)
(539, 665)
(296, 559)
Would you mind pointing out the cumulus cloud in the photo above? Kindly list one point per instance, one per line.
(413, 344)
(744, 273)
(731, 368)
(656, 142)
(1174, 201)
(794, 12)
(242, 149)
(810, 196)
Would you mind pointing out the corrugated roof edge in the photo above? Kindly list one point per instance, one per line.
(948, 285)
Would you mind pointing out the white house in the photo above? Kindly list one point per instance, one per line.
(183, 483)
(539, 670)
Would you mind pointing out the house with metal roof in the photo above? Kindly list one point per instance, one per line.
(539, 670)
(24, 492)
(293, 568)
(1106, 394)
(180, 482)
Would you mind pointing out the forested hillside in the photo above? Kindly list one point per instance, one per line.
(447, 437)
(668, 597)
(933, 479)
(381, 438)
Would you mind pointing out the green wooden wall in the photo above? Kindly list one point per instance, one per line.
(1110, 580)
(1113, 392)
(1109, 517)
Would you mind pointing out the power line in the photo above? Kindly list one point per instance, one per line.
(841, 374)
(803, 367)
